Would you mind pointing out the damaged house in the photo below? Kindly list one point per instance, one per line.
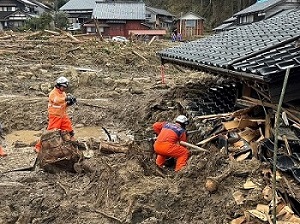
(262, 9)
(256, 58)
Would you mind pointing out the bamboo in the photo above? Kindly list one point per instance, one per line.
(276, 141)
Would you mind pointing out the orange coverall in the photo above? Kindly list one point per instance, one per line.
(167, 144)
(57, 113)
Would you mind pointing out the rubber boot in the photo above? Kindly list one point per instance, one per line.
(2, 153)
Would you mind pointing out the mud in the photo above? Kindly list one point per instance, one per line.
(123, 92)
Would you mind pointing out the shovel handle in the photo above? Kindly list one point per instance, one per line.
(193, 146)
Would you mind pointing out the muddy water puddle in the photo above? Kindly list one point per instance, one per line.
(81, 133)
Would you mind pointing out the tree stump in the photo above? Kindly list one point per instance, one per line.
(58, 152)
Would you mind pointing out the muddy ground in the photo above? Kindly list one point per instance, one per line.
(118, 87)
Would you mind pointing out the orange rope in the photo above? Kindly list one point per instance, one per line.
(162, 73)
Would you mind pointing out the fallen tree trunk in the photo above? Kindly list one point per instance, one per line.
(110, 147)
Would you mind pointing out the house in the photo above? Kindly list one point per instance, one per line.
(79, 11)
(260, 10)
(14, 13)
(264, 9)
(227, 24)
(256, 55)
(40, 8)
(159, 18)
(190, 25)
(118, 18)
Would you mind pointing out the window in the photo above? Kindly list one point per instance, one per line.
(190, 23)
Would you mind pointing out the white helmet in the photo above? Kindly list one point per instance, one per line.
(62, 81)
(182, 119)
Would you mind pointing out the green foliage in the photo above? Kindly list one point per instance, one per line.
(39, 23)
(59, 3)
(61, 20)
(214, 11)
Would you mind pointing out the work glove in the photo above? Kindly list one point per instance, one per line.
(70, 99)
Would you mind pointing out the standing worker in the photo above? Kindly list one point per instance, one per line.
(168, 139)
(57, 109)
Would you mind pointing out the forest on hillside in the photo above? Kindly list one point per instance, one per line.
(214, 11)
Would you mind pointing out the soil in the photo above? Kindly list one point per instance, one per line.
(118, 86)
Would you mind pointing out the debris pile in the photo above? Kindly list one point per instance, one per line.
(248, 134)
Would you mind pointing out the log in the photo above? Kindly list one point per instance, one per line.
(137, 54)
(212, 182)
(7, 37)
(193, 146)
(52, 32)
(98, 29)
(152, 39)
(108, 147)
(71, 36)
(212, 116)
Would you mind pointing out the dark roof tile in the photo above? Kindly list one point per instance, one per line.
(262, 49)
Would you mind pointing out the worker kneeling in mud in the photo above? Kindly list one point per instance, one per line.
(167, 142)
(57, 109)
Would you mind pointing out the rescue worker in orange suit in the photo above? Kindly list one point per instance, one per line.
(57, 109)
(167, 142)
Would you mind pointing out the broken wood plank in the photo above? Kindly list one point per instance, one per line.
(296, 126)
(268, 126)
(273, 106)
(207, 140)
(249, 134)
(72, 37)
(52, 32)
(152, 39)
(137, 54)
(239, 124)
(108, 147)
(98, 28)
(236, 113)
(287, 146)
(212, 116)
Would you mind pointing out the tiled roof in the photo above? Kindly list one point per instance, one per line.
(272, 39)
(120, 10)
(78, 5)
(4, 14)
(258, 6)
(224, 26)
(26, 2)
(159, 11)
